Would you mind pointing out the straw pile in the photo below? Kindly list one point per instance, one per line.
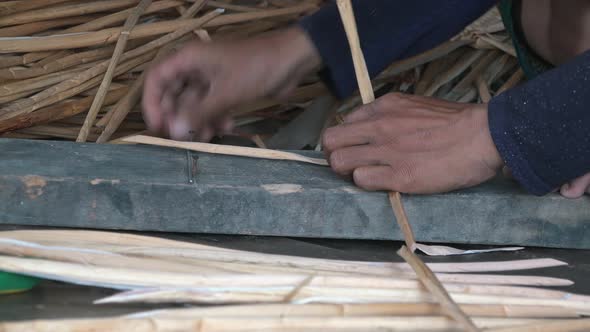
(280, 292)
(73, 70)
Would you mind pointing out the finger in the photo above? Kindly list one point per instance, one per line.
(225, 125)
(445, 105)
(350, 134)
(205, 134)
(344, 161)
(577, 187)
(373, 177)
(179, 129)
(362, 113)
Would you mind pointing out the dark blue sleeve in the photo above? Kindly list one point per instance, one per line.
(542, 128)
(389, 30)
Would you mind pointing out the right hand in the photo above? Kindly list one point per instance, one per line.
(189, 95)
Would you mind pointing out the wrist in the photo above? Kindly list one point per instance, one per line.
(491, 156)
(294, 56)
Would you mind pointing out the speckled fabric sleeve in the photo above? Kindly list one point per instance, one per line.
(389, 30)
(542, 127)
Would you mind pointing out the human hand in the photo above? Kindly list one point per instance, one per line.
(193, 90)
(414, 144)
(577, 187)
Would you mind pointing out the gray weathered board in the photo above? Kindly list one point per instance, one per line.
(147, 188)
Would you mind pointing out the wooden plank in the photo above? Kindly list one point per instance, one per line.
(146, 188)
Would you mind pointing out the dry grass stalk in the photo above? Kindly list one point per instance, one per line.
(108, 77)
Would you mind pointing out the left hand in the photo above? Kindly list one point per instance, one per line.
(414, 144)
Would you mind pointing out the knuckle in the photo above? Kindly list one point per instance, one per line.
(362, 179)
(329, 141)
(404, 177)
(337, 162)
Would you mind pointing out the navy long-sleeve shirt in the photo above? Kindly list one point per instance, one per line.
(540, 128)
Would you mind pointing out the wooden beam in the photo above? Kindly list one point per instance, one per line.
(147, 188)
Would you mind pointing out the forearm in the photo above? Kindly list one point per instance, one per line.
(541, 127)
(389, 30)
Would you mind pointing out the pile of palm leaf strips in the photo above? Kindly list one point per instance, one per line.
(73, 69)
(269, 292)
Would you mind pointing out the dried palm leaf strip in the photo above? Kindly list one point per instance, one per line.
(41, 99)
(63, 11)
(226, 149)
(108, 77)
(107, 36)
(434, 286)
(124, 106)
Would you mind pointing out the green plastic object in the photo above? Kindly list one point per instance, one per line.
(14, 283)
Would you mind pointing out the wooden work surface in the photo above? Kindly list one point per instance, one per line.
(146, 188)
(57, 300)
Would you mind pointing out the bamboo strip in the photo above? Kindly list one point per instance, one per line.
(467, 81)
(104, 258)
(228, 6)
(124, 106)
(226, 149)
(434, 286)
(78, 87)
(153, 246)
(395, 200)
(360, 67)
(508, 48)
(33, 102)
(512, 81)
(28, 29)
(118, 17)
(484, 91)
(36, 82)
(355, 310)
(108, 77)
(63, 11)
(11, 7)
(365, 323)
(60, 64)
(106, 36)
(16, 96)
(55, 112)
(459, 67)
(576, 325)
